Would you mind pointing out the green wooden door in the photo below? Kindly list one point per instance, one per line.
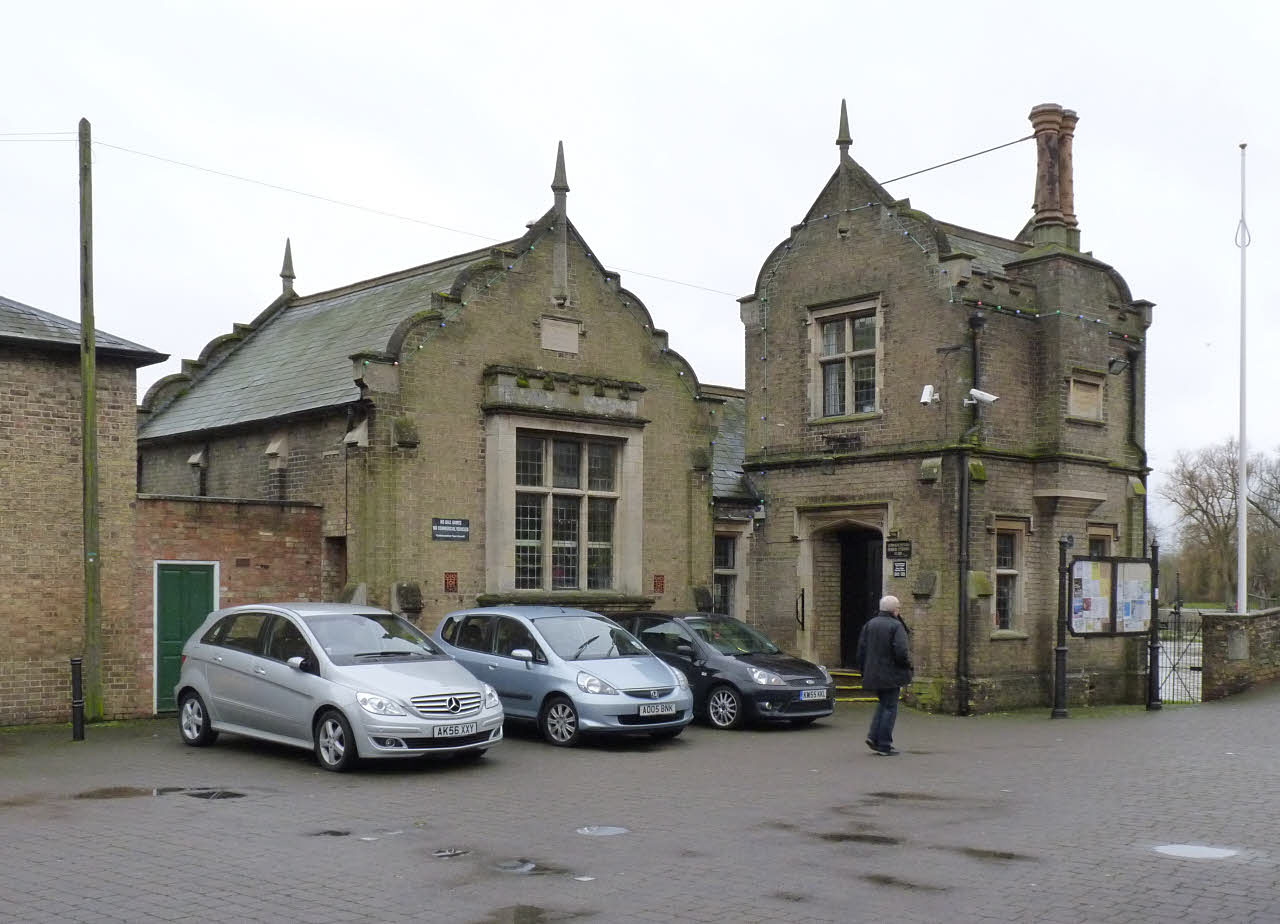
(184, 597)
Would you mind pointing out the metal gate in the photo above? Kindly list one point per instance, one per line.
(1181, 655)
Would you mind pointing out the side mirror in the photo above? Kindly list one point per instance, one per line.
(524, 654)
(297, 662)
(685, 649)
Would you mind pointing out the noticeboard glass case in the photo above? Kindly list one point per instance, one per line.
(1110, 595)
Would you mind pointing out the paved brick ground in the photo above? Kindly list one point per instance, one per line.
(992, 819)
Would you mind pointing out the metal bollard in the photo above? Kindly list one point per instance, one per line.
(77, 701)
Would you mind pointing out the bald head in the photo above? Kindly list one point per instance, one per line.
(889, 604)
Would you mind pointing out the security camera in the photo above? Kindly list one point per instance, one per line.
(978, 396)
(928, 396)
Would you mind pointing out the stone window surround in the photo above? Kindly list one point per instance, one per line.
(1076, 412)
(740, 532)
(1109, 532)
(500, 495)
(1018, 528)
(826, 312)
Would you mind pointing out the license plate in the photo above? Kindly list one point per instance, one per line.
(813, 694)
(455, 731)
(658, 709)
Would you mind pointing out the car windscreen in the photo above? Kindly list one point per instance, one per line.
(370, 638)
(588, 638)
(731, 637)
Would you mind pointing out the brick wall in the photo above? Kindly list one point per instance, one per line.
(1240, 651)
(41, 535)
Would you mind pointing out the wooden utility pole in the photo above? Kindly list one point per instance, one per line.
(89, 441)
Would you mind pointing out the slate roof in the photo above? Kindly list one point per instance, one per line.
(728, 481)
(299, 358)
(990, 253)
(24, 325)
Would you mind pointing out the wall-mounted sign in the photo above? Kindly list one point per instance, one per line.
(451, 582)
(897, 548)
(446, 529)
(899, 568)
(1110, 596)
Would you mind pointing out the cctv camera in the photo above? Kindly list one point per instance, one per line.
(985, 397)
(928, 396)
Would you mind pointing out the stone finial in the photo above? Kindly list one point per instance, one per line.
(560, 258)
(558, 183)
(1047, 224)
(286, 270)
(843, 140)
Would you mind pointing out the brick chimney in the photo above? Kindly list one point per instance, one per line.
(1055, 191)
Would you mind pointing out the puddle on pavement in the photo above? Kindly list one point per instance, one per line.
(118, 792)
(31, 798)
(331, 832)
(906, 796)
(881, 879)
(213, 794)
(449, 853)
(839, 837)
(114, 792)
(523, 867)
(531, 914)
(602, 830)
(985, 853)
(1195, 851)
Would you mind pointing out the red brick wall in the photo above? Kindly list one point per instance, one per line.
(267, 552)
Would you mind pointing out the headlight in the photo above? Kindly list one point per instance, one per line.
(765, 678)
(490, 697)
(589, 683)
(681, 680)
(826, 674)
(378, 705)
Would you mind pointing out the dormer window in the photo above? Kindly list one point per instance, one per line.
(845, 350)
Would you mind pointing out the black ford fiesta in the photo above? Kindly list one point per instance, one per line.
(735, 672)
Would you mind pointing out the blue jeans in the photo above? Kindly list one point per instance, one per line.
(883, 719)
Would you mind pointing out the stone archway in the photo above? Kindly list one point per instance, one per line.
(840, 554)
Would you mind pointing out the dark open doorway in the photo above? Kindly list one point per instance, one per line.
(861, 583)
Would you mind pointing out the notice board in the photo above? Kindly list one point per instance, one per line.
(1110, 596)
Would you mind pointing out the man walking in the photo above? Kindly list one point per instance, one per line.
(884, 659)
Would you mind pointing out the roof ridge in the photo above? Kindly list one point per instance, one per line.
(400, 275)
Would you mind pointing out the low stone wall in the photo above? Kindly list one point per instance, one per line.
(1240, 650)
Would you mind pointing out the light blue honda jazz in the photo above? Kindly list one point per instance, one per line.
(571, 671)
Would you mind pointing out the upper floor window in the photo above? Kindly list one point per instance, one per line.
(845, 358)
(1085, 397)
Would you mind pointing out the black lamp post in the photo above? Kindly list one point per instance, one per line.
(1060, 652)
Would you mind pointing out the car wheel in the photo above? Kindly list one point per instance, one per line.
(724, 707)
(335, 745)
(802, 723)
(193, 721)
(559, 722)
(666, 733)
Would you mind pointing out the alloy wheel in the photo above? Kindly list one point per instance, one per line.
(192, 718)
(723, 708)
(562, 722)
(333, 742)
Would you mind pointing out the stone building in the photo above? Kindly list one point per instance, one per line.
(502, 425)
(879, 472)
(42, 609)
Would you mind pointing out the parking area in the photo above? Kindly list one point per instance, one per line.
(993, 818)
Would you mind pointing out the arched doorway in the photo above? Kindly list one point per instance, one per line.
(861, 584)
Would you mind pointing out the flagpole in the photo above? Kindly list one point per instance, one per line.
(1242, 484)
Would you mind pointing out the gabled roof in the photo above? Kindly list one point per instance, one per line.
(27, 326)
(298, 358)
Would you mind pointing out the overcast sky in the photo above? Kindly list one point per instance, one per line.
(695, 136)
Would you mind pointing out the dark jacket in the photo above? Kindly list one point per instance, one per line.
(884, 654)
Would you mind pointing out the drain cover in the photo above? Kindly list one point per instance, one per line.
(602, 830)
(1196, 851)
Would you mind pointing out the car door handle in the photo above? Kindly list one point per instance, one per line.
(493, 667)
(217, 658)
(260, 670)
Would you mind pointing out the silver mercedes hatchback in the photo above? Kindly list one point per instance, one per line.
(348, 681)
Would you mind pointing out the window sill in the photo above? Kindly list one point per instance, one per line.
(1086, 421)
(1009, 635)
(847, 418)
(587, 599)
